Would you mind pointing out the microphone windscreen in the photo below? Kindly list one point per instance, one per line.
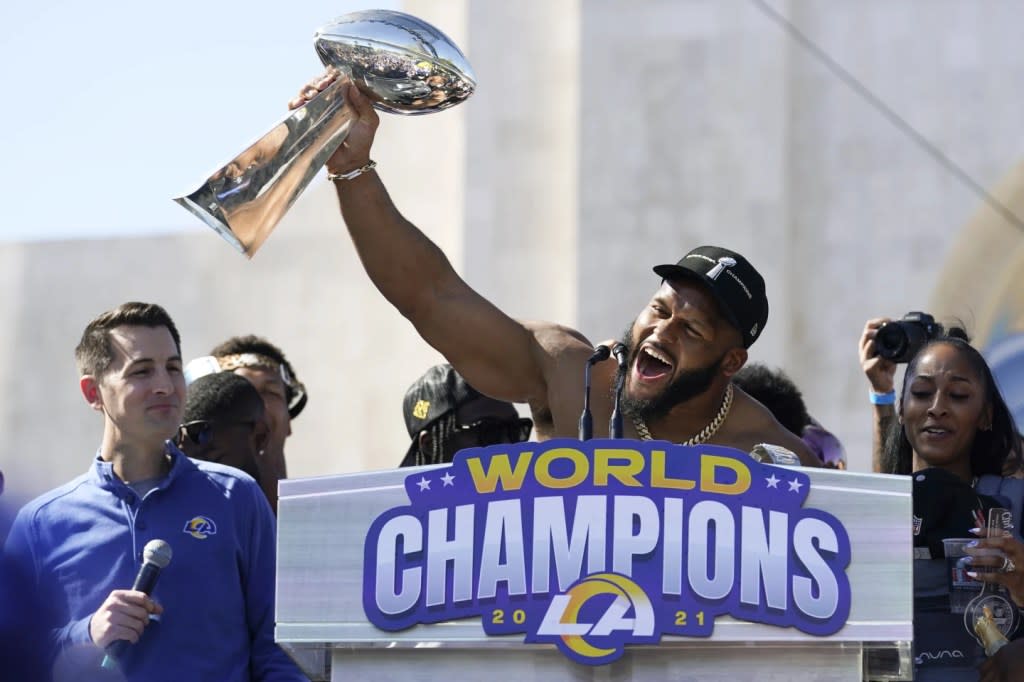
(157, 552)
(600, 354)
(619, 351)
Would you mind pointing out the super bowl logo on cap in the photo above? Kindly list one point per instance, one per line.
(723, 263)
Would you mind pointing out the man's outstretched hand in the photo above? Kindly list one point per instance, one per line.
(354, 152)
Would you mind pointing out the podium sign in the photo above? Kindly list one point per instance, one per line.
(634, 556)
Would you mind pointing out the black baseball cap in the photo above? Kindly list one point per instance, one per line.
(439, 391)
(736, 285)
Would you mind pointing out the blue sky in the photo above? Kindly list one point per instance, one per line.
(113, 108)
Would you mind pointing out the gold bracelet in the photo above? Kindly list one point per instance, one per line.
(352, 173)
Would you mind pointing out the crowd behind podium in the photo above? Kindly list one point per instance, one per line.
(200, 464)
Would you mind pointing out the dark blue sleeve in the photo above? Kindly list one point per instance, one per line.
(33, 628)
(268, 662)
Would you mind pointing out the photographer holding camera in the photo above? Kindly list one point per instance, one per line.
(952, 430)
(884, 344)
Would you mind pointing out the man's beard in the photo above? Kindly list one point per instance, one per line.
(689, 384)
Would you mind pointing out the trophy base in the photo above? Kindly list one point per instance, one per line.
(209, 212)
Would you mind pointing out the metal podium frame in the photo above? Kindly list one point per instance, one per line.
(323, 521)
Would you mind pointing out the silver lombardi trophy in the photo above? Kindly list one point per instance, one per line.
(403, 64)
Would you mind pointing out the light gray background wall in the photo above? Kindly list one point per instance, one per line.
(605, 137)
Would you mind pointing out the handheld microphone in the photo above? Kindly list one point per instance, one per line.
(601, 354)
(155, 557)
(615, 423)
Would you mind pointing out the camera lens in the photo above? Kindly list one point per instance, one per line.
(899, 341)
(891, 341)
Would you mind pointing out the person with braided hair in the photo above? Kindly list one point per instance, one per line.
(444, 414)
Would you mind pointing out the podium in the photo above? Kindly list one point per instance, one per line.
(323, 524)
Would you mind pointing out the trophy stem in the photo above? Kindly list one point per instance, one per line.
(245, 199)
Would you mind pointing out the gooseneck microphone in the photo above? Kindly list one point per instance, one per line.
(601, 353)
(155, 557)
(615, 423)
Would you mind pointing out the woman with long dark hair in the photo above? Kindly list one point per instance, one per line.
(953, 431)
(951, 415)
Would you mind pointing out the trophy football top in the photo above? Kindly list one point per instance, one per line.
(405, 65)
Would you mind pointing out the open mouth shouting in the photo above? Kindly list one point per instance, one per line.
(652, 364)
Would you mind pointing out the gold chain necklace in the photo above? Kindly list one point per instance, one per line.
(707, 432)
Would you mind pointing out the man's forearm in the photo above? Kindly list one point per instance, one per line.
(400, 260)
(496, 354)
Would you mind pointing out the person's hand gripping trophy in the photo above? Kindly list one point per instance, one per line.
(400, 63)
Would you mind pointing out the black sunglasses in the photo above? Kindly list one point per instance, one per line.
(491, 430)
(200, 432)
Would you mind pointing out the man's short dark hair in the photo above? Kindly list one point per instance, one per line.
(250, 343)
(296, 395)
(94, 353)
(221, 396)
(777, 392)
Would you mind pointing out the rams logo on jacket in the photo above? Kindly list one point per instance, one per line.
(201, 527)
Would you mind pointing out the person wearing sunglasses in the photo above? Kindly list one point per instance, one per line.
(284, 396)
(444, 414)
(224, 422)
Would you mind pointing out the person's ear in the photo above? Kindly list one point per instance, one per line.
(90, 388)
(425, 441)
(733, 360)
(260, 436)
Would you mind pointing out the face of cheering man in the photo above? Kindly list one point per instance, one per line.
(141, 393)
(678, 346)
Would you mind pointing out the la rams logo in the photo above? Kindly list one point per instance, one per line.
(201, 527)
(595, 619)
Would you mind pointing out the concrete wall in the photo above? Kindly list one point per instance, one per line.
(605, 137)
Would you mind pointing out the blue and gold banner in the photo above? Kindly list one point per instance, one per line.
(599, 544)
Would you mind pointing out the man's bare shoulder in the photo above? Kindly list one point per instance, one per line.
(752, 424)
(564, 352)
(556, 339)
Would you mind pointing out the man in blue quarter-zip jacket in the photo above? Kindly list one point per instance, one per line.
(210, 616)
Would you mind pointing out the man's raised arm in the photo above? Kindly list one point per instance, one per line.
(496, 354)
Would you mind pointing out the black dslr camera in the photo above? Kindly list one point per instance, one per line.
(900, 340)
